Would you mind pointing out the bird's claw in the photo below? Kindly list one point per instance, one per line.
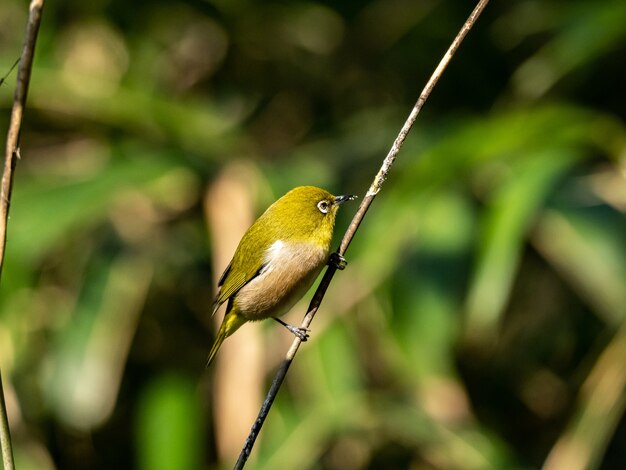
(337, 261)
(301, 333)
(298, 331)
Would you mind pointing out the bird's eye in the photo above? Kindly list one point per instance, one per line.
(323, 206)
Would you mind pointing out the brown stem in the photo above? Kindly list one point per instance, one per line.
(11, 157)
(19, 103)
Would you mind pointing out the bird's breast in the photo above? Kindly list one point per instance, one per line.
(289, 271)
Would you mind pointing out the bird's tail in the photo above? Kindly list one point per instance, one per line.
(230, 324)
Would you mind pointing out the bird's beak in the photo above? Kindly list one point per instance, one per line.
(344, 198)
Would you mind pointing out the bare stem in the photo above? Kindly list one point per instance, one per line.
(5, 434)
(379, 179)
(11, 156)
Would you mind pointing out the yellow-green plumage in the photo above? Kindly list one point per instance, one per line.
(277, 259)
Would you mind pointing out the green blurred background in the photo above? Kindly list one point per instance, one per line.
(481, 322)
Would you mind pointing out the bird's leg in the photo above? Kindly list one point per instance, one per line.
(298, 331)
(337, 261)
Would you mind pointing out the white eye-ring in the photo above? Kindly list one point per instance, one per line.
(323, 207)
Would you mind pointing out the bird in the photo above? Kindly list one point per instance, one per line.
(277, 260)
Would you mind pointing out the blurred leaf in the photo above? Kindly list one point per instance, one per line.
(450, 446)
(196, 124)
(427, 285)
(509, 136)
(168, 425)
(506, 224)
(589, 31)
(600, 407)
(85, 369)
(32, 456)
(45, 213)
(588, 247)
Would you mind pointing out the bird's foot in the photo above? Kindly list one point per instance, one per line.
(298, 331)
(337, 261)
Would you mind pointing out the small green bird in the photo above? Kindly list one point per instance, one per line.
(277, 260)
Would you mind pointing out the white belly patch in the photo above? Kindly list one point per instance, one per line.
(290, 270)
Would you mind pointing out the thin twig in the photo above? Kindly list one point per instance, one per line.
(350, 232)
(19, 103)
(5, 433)
(11, 157)
(3, 79)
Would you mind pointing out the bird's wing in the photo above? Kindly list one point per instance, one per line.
(232, 280)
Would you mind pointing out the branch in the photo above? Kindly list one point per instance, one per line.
(11, 156)
(5, 434)
(351, 231)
